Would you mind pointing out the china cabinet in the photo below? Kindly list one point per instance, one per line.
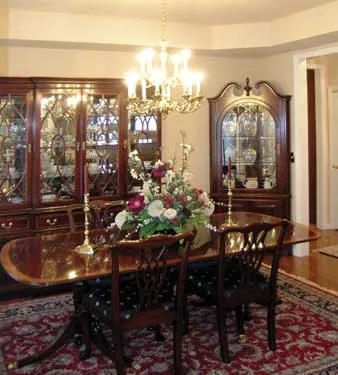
(249, 130)
(49, 130)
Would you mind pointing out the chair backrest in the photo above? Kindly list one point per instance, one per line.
(161, 263)
(247, 246)
(101, 213)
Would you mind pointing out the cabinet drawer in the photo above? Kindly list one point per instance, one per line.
(52, 221)
(267, 207)
(13, 224)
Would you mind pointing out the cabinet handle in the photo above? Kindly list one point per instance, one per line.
(9, 226)
(77, 146)
(335, 166)
(29, 148)
(265, 205)
(49, 222)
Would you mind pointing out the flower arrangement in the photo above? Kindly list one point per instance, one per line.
(174, 206)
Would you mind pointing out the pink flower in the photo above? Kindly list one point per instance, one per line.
(184, 200)
(168, 201)
(198, 192)
(136, 204)
(160, 171)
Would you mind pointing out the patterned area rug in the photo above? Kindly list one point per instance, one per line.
(331, 251)
(307, 339)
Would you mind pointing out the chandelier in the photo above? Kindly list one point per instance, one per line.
(153, 88)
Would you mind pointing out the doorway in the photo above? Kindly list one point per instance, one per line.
(312, 148)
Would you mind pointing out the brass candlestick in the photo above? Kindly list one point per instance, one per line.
(86, 247)
(229, 201)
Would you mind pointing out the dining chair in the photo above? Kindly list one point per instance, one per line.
(237, 278)
(156, 295)
(101, 213)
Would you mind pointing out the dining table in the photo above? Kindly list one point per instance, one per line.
(52, 260)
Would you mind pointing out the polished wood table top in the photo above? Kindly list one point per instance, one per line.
(51, 259)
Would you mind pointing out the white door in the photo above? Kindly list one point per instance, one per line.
(334, 159)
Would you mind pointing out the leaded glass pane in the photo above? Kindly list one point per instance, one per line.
(57, 147)
(102, 143)
(13, 134)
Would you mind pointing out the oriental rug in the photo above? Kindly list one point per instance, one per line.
(307, 339)
(331, 251)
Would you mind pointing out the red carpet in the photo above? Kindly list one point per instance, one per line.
(307, 339)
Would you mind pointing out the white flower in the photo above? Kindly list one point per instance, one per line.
(204, 197)
(159, 163)
(170, 213)
(121, 218)
(155, 208)
(187, 176)
(134, 174)
(146, 190)
(207, 209)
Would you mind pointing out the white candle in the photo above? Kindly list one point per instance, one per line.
(132, 78)
(144, 89)
(176, 62)
(163, 60)
(198, 79)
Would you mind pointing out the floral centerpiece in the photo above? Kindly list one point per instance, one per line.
(167, 202)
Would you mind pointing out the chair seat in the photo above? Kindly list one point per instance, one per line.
(98, 300)
(202, 279)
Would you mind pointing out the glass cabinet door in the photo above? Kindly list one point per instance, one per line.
(102, 144)
(13, 148)
(144, 137)
(58, 143)
(249, 146)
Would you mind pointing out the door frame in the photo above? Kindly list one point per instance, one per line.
(332, 147)
(323, 146)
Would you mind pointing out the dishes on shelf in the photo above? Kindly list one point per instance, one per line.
(13, 172)
(249, 155)
(230, 152)
(17, 200)
(229, 125)
(93, 168)
(251, 183)
(48, 197)
(248, 124)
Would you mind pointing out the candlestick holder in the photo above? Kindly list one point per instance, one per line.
(86, 247)
(229, 194)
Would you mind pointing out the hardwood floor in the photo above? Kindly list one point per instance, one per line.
(318, 268)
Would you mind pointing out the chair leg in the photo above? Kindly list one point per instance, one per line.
(240, 324)
(247, 316)
(272, 325)
(85, 327)
(185, 317)
(119, 357)
(158, 335)
(223, 337)
(178, 348)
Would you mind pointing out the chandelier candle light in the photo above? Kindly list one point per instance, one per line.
(156, 76)
(86, 248)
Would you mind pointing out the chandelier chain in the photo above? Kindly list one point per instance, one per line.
(164, 21)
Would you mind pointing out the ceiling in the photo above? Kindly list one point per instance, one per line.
(206, 12)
